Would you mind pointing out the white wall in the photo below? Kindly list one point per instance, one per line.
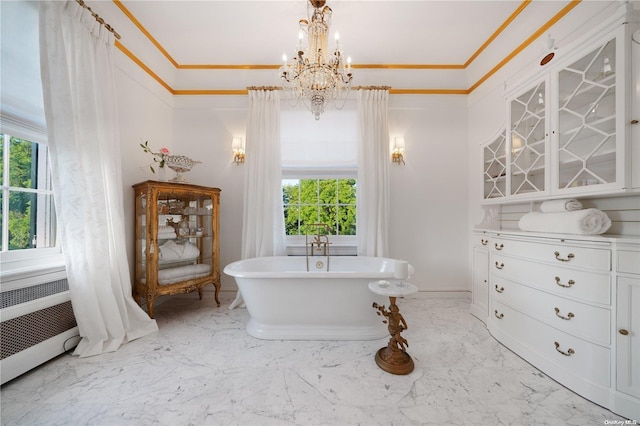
(429, 200)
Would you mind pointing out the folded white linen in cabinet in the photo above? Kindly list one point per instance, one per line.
(587, 222)
(189, 272)
(172, 251)
(557, 206)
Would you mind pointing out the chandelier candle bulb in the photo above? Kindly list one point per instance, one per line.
(401, 270)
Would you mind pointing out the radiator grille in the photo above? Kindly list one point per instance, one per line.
(18, 334)
(27, 294)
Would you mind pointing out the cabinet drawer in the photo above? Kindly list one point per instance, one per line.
(585, 321)
(480, 239)
(556, 253)
(580, 285)
(629, 261)
(585, 360)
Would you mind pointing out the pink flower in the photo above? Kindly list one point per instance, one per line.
(158, 157)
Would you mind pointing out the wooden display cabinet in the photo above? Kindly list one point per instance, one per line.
(177, 248)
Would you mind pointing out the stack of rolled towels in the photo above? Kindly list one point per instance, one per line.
(565, 216)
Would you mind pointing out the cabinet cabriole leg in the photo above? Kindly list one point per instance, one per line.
(217, 286)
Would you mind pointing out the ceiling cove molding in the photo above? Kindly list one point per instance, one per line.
(190, 92)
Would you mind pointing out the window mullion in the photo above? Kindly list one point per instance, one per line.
(5, 192)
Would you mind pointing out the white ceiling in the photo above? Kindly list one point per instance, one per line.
(392, 32)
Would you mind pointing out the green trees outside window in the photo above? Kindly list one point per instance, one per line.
(26, 202)
(330, 201)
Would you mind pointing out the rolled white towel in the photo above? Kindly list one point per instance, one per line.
(587, 222)
(166, 235)
(557, 206)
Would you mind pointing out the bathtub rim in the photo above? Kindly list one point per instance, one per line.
(230, 271)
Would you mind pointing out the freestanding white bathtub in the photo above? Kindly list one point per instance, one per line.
(285, 302)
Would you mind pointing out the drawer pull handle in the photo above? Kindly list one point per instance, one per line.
(623, 332)
(567, 318)
(499, 265)
(499, 290)
(569, 352)
(567, 285)
(499, 316)
(569, 256)
(498, 247)
(484, 242)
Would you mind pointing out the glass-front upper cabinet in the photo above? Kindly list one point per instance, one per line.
(528, 138)
(586, 140)
(570, 126)
(495, 166)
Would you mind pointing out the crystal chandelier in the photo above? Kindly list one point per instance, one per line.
(314, 75)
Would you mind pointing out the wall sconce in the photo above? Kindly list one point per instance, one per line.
(397, 155)
(237, 145)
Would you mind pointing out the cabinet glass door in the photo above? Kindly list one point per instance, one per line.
(141, 237)
(587, 120)
(528, 139)
(495, 167)
(185, 234)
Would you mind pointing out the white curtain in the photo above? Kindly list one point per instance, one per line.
(83, 135)
(373, 172)
(263, 218)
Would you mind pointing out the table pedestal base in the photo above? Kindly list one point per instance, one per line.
(394, 361)
(393, 358)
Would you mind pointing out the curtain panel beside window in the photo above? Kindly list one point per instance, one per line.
(83, 134)
(373, 172)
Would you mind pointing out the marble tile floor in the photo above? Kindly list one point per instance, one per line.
(202, 368)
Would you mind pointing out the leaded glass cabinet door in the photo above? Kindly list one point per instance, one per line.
(528, 134)
(587, 120)
(495, 167)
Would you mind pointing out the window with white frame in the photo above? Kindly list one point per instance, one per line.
(319, 169)
(313, 201)
(27, 211)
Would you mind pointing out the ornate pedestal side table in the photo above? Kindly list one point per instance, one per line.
(393, 358)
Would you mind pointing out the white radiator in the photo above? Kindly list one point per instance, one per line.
(36, 323)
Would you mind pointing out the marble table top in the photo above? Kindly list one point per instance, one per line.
(392, 288)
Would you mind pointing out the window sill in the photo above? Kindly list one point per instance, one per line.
(334, 250)
(29, 269)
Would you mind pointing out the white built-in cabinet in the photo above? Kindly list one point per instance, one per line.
(480, 275)
(568, 127)
(569, 305)
(627, 327)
